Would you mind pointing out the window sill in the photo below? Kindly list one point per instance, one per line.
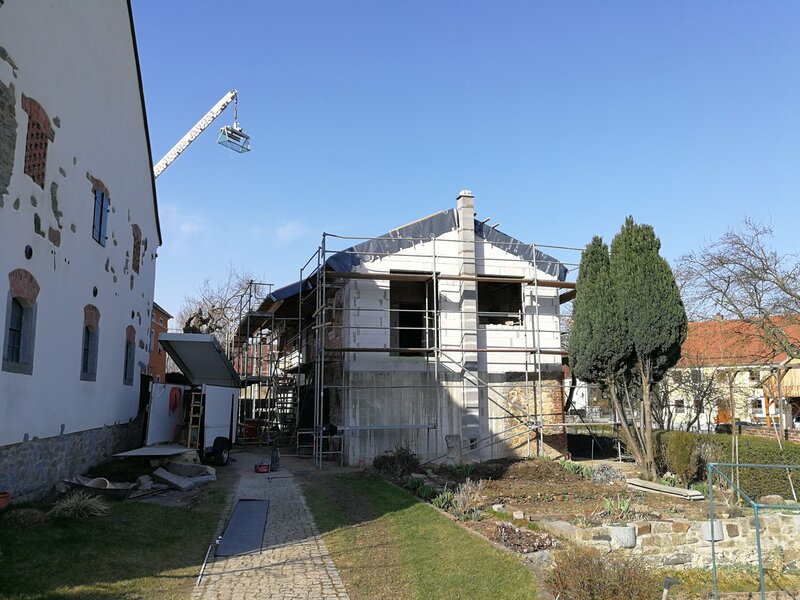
(127, 382)
(17, 367)
(88, 376)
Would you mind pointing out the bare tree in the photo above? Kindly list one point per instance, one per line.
(741, 276)
(218, 306)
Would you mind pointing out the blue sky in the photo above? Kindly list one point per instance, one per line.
(562, 117)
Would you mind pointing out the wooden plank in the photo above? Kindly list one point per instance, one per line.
(649, 486)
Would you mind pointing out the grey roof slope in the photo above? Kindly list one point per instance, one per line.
(418, 232)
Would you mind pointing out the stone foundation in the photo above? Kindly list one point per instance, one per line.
(31, 469)
(683, 544)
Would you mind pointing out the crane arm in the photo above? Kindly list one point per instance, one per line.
(194, 133)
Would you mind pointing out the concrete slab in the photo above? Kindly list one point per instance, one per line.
(180, 483)
(166, 450)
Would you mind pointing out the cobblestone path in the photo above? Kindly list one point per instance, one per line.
(293, 564)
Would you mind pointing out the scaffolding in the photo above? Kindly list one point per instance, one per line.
(480, 329)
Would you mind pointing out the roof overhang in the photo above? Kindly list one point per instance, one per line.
(201, 358)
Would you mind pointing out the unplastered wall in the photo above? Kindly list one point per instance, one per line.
(367, 304)
(76, 60)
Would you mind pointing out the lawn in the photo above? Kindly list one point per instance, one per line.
(386, 544)
(138, 551)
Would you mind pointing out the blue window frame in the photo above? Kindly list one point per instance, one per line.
(100, 217)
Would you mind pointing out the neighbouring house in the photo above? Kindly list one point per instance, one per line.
(79, 233)
(722, 376)
(159, 323)
(442, 336)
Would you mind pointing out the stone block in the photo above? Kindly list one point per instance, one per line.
(680, 526)
(176, 481)
(186, 469)
(661, 527)
(498, 507)
(417, 476)
(772, 499)
(680, 558)
(560, 529)
(144, 482)
(518, 514)
(732, 529)
(643, 528)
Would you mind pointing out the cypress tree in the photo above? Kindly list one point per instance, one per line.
(652, 313)
(600, 351)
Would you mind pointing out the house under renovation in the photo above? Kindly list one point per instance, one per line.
(442, 336)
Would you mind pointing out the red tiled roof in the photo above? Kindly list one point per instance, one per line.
(730, 343)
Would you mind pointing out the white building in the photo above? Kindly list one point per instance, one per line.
(442, 327)
(78, 238)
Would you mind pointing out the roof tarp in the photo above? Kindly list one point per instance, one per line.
(200, 357)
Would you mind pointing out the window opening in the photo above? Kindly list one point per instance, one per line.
(100, 220)
(499, 303)
(411, 316)
(15, 332)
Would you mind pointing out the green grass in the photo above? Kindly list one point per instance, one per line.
(138, 551)
(387, 544)
(696, 582)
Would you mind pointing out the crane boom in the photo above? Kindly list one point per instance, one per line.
(194, 133)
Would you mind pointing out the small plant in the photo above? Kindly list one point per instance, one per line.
(24, 517)
(426, 492)
(701, 487)
(397, 463)
(468, 495)
(412, 485)
(444, 500)
(618, 511)
(581, 471)
(465, 470)
(80, 505)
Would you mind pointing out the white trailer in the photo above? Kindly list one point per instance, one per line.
(201, 415)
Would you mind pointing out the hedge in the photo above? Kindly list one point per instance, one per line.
(754, 482)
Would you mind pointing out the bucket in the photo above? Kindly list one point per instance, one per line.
(262, 468)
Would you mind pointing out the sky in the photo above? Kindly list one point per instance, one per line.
(561, 117)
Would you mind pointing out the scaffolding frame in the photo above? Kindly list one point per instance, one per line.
(436, 352)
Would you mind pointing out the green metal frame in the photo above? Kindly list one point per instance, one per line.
(715, 468)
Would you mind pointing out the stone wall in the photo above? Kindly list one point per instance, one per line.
(29, 470)
(683, 544)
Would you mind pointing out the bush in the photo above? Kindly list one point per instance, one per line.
(397, 463)
(682, 456)
(581, 573)
(24, 517)
(80, 505)
(754, 482)
(468, 496)
(581, 471)
(444, 501)
(427, 492)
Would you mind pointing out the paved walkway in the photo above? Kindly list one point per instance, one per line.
(294, 562)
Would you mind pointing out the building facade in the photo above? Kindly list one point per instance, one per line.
(78, 238)
(444, 332)
(159, 323)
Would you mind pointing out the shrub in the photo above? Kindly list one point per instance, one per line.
(754, 482)
(427, 492)
(412, 485)
(80, 505)
(397, 463)
(444, 501)
(24, 517)
(682, 456)
(581, 471)
(581, 573)
(468, 496)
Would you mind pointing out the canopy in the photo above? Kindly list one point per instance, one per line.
(201, 358)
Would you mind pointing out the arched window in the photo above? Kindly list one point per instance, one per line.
(90, 342)
(20, 322)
